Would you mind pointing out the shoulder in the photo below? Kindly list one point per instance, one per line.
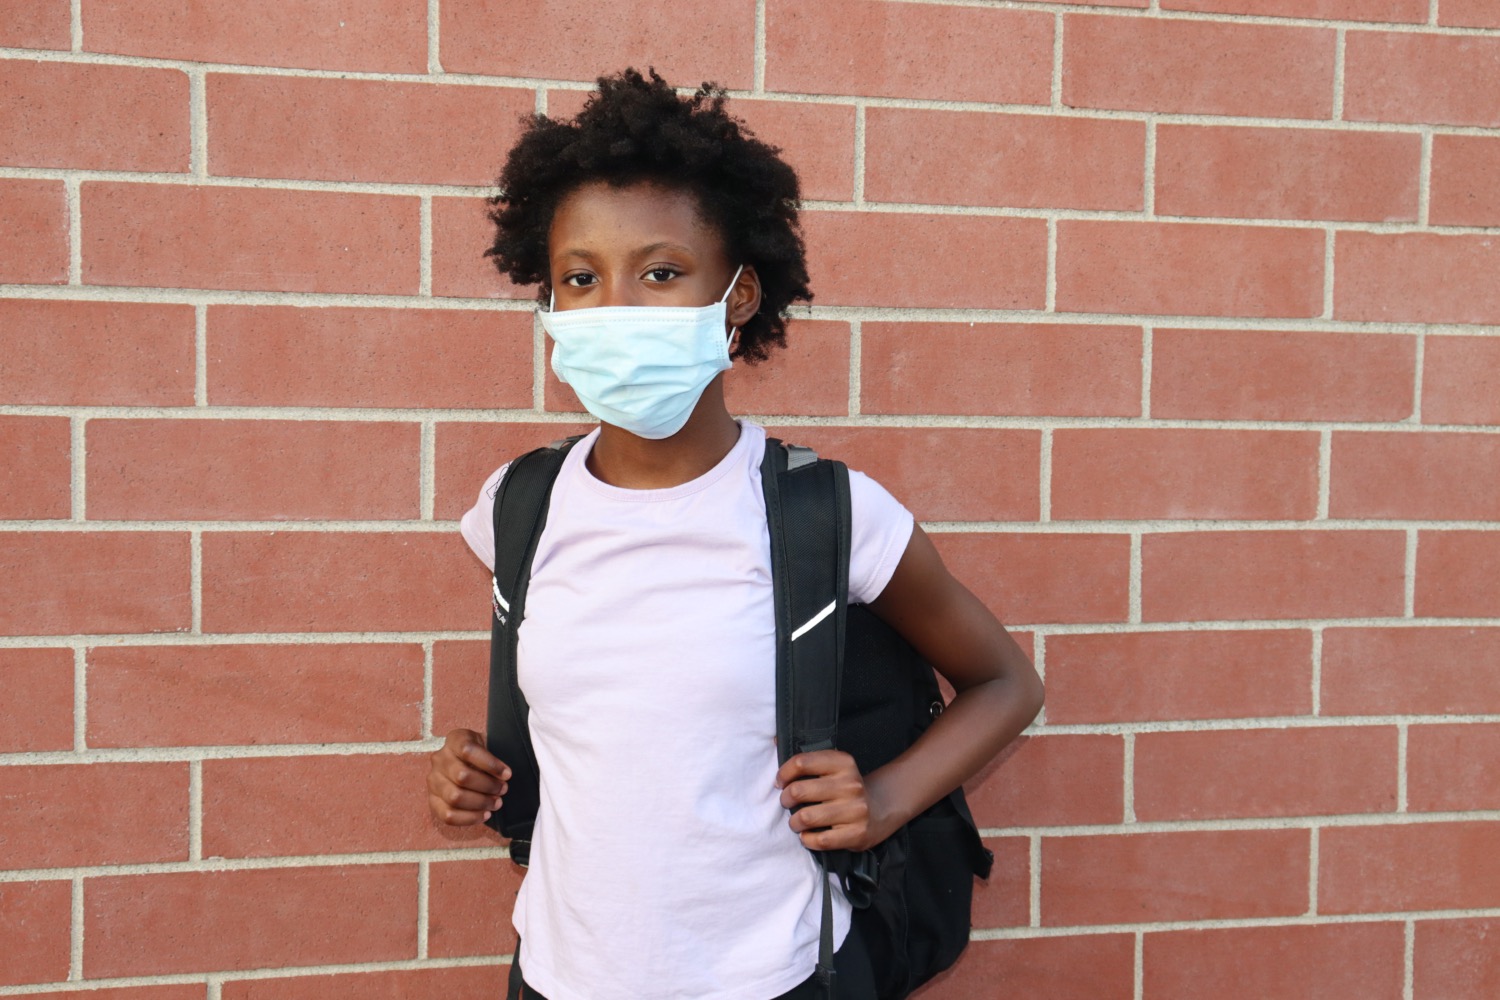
(478, 523)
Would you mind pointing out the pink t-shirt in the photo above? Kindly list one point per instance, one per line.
(662, 863)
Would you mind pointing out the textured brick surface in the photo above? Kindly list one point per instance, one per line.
(1271, 173)
(1398, 11)
(359, 130)
(383, 36)
(1084, 967)
(944, 51)
(398, 984)
(1197, 67)
(1412, 77)
(1469, 14)
(35, 919)
(1427, 670)
(35, 468)
(33, 232)
(202, 921)
(1461, 380)
(98, 582)
(1419, 476)
(1029, 578)
(181, 236)
(51, 814)
(1060, 780)
(94, 117)
(461, 233)
(1027, 161)
(1123, 677)
(1129, 473)
(1464, 168)
(809, 376)
(1416, 277)
(1456, 959)
(1275, 375)
(36, 24)
(1330, 962)
(1456, 572)
(253, 694)
(463, 898)
(36, 699)
(1452, 768)
(1410, 866)
(1004, 899)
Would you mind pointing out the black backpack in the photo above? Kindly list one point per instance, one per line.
(912, 893)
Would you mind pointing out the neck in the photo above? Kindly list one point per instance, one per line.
(622, 459)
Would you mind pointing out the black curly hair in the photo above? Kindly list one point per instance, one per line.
(632, 130)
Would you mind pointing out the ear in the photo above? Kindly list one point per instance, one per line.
(744, 300)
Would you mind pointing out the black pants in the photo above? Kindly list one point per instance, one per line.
(851, 964)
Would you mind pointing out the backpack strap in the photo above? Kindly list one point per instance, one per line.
(520, 513)
(808, 517)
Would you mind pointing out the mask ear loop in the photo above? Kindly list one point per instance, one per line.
(733, 329)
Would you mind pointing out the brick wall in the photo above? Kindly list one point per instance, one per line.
(1178, 324)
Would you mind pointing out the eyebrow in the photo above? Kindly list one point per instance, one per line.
(644, 251)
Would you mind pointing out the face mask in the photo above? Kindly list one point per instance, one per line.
(640, 368)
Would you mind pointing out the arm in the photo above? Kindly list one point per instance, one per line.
(997, 694)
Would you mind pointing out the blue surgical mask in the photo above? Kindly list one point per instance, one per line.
(640, 368)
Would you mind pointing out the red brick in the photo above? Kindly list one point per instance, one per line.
(341, 582)
(875, 49)
(96, 582)
(1422, 670)
(1004, 900)
(171, 922)
(174, 696)
(1034, 578)
(186, 991)
(1317, 962)
(460, 684)
(1309, 573)
(687, 41)
(33, 232)
(36, 925)
(925, 470)
(817, 140)
(259, 807)
(1265, 772)
(1283, 375)
(94, 117)
(1399, 11)
(468, 903)
(1086, 967)
(1461, 380)
(1416, 277)
(1158, 676)
(1465, 169)
(182, 236)
(466, 455)
(1427, 79)
(1195, 269)
(62, 815)
(1123, 473)
(62, 353)
(1453, 768)
(1409, 866)
(36, 700)
(36, 24)
(1456, 959)
(1053, 780)
(461, 233)
(325, 128)
(395, 984)
(1394, 474)
(1197, 67)
(810, 377)
(35, 470)
(1150, 877)
(1000, 369)
(1279, 173)
(1029, 161)
(266, 470)
(339, 356)
(383, 36)
(1456, 574)
(866, 258)
(1469, 13)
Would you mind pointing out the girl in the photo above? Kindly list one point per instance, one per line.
(667, 860)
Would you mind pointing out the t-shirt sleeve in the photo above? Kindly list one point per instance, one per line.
(478, 525)
(880, 532)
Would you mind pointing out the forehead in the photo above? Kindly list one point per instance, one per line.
(606, 218)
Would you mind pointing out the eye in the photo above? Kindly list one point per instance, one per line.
(662, 273)
(580, 280)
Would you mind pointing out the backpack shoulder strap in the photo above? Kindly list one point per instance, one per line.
(520, 513)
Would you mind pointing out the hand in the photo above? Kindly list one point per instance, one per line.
(839, 808)
(466, 781)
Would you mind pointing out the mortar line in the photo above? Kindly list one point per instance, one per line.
(195, 810)
(759, 85)
(1325, 472)
(1050, 305)
(73, 197)
(424, 246)
(1149, 202)
(423, 877)
(434, 61)
(1057, 62)
(1317, 671)
(427, 462)
(856, 374)
(1401, 768)
(75, 25)
(538, 366)
(1148, 346)
(195, 578)
(1424, 181)
(1312, 870)
(1409, 576)
(78, 467)
(1044, 478)
(540, 106)
(859, 155)
(1328, 272)
(1140, 948)
(75, 919)
(427, 671)
(1034, 893)
(1136, 542)
(1129, 779)
(1432, 13)
(80, 699)
(1409, 938)
(1417, 375)
(1039, 662)
(198, 124)
(200, 354)
(1338, 74)
(215, 988)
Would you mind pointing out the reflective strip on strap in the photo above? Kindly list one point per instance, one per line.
(495, 588)
(813, 621)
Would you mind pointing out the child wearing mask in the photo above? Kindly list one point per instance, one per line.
(670, 851)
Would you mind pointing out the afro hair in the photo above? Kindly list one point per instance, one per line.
(634, 130)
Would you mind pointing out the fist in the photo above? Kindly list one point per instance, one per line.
(466, 782)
